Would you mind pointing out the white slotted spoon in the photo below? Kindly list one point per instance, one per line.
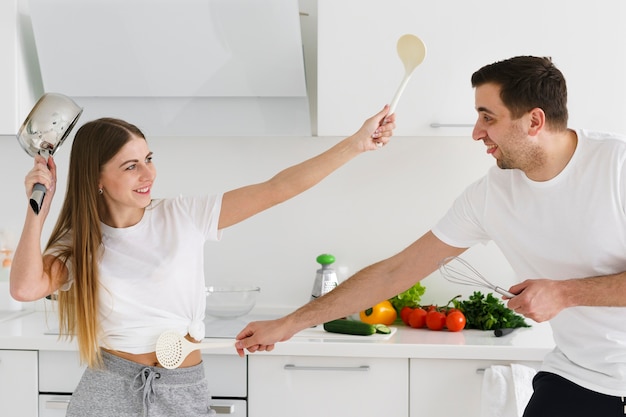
(412, 52)
(172, 348)
(459, 271)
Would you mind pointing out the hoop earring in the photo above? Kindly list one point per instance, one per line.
(100, 191)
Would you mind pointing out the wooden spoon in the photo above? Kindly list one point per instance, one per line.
(412, 52)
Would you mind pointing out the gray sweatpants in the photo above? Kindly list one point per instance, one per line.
(124, 388)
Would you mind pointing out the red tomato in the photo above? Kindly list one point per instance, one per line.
(417, 318)
(405, 313)
(435, 320)
(455, 321)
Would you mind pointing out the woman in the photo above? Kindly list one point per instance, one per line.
(128, 267)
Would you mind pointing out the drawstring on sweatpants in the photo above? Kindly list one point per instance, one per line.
(148, 375)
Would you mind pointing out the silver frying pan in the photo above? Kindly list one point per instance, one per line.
(46, 127)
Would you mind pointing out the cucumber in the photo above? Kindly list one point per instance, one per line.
(355, 327)
(350, 327)
(381, 328)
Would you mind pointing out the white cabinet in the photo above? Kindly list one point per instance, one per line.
(18, 383)
(327, 386)
(227, 375)
(53, 405)
(359, 70)
(230, 406)
(20, 79)
(449, 387)
(8, 69)
(60, 372)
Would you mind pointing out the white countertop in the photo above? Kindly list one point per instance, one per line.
(27, 332)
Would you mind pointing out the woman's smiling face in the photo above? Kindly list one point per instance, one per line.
(126, 180)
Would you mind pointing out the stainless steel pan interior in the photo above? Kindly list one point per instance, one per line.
(46, 127)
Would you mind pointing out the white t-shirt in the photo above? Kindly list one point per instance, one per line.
(572, 226)
(152, 273)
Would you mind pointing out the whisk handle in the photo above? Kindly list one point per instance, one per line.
(504, 292)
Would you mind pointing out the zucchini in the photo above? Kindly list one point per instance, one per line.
(355, 327)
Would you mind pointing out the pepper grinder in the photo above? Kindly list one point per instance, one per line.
(325, 277)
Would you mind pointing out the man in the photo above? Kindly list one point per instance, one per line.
(556, 207)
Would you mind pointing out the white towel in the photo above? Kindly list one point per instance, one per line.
(506, 390)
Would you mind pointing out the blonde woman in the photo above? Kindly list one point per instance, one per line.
(127, 267)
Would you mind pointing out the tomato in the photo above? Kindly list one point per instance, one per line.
(417, 318)
(381, 313)
(435, 320)
(455, 321)
(405, 313)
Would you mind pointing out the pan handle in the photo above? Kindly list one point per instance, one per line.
(39, 190)
(36, 197)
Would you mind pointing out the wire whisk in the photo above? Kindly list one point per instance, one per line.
(459, 271)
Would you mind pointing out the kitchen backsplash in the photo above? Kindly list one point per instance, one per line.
(368, 210)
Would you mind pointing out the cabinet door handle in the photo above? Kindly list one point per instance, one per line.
(57, 404)
(224, 409)
(292, 367)
(438, 125)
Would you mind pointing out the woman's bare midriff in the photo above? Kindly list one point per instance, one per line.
(150, 358)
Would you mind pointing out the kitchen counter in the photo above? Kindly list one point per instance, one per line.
(28, 332)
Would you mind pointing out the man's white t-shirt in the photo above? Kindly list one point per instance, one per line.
(572, 226)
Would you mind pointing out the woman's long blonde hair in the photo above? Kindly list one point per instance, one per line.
(95, 143)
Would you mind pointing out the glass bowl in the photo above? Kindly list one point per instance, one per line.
(229, 302)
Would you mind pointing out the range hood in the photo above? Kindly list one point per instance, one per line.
(178, 67)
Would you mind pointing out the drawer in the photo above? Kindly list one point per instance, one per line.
(18, 383)
(53, 405)
(60, 372)
(227, 375)
(56, 406)
(431, 379)
(230, 407)
(309, 386)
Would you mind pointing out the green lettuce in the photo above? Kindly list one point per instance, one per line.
(409, 298)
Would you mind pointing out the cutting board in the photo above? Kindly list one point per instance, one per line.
(318, 332)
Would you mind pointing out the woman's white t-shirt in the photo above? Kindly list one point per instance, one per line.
(152, 273)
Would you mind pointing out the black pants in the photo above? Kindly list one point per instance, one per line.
(555, 396)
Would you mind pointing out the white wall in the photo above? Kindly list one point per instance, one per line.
(370, 209)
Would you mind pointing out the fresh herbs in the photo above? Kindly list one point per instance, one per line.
(488, 313)
(409, 298)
